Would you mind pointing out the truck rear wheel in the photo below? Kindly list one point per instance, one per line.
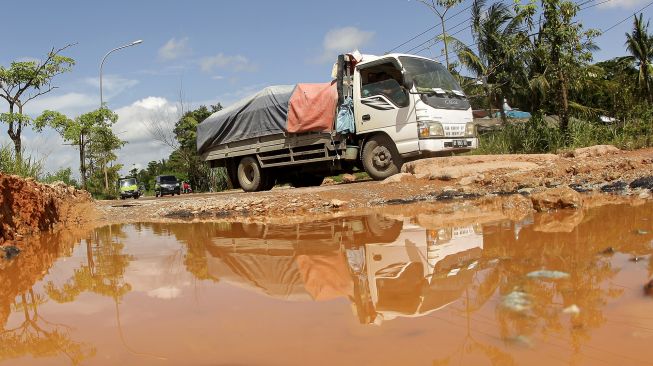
(250, 175)
(381, 158)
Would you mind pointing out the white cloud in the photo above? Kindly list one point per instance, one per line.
(626, 4)
(339, 40)
(217, 77)
(132, 126)
(174, 48)
(71, 104)
(235, 63)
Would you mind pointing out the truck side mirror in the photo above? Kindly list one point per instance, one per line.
(408, 82)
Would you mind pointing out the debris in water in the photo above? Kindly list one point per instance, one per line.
(572, 309)
(517, 301)
(642, 232)
(551, 275)
(522, 341)
(636, 259)
(648, 288)
(608, 251)
(10, 251)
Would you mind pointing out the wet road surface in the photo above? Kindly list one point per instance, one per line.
(564, 288)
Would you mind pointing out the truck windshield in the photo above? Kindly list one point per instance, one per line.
(428, 75)
(168, 179)
(127, 182)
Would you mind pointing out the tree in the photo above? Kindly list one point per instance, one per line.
(497, 34)
(92, 127)
(62, 175)
(567, 49)
(640, 45)
(24, 81)
(440, 8)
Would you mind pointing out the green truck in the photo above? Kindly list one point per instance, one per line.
(129, 188)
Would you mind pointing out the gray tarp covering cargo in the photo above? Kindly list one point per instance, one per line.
(262, 114)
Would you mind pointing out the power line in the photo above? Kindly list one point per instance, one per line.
(624, 19)
(453, 16)
(430, 29)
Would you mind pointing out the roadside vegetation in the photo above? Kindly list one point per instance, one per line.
(539, 59)
(535, 56)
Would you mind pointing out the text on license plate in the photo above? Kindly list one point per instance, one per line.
(459, 143)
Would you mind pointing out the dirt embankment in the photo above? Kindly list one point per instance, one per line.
(545, 181)
(28, 207)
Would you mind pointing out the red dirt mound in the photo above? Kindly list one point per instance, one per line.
(28, 207)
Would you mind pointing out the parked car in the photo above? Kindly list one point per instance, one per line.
(129, 188)
(166, 184)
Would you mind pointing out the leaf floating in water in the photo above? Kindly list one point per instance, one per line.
(550, 275)
(642, 232)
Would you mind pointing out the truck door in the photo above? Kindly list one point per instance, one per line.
(383, 104)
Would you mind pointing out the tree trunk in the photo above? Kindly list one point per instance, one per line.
(82, 161)
(564, 104)
(444, 38)
(14, 134)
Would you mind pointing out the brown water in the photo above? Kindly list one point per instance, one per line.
(368, 290)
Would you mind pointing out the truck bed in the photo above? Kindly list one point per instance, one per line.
(281, 149)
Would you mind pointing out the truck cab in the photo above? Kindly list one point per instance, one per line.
(413, 106)
(129, 188)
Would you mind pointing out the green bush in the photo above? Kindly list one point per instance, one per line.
(62, 175)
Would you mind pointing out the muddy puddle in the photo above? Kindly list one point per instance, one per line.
(377, 289)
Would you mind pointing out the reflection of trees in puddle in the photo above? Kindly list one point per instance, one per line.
(35, 335)
(306, 261)
(104, 271)
(103, 274)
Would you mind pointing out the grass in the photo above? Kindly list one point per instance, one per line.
(541, 136)
(24, 166)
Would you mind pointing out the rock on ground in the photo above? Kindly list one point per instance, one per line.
(348, 178)
(556, 198)
(397, 178)
(593, 151)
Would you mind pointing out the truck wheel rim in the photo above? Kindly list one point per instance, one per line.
(382, 157)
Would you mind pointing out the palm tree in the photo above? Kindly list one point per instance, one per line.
(496, 33)
(640, 44)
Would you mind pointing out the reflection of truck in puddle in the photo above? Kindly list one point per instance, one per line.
(388, 268)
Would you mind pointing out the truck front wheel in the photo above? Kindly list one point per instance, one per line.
(380, 157)
(250, 175)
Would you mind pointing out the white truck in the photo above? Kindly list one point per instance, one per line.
(403, 107)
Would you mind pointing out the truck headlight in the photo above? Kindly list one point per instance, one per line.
(470, 129)
(430, 129)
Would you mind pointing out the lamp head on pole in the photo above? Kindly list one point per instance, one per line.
(136, 42)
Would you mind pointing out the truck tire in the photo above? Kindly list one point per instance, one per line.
(306, 180)
(250, 175)
(381, 158)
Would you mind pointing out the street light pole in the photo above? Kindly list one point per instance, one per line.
(137, 42)
(105, 57)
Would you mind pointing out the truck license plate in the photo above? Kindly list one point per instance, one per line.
(459, 143)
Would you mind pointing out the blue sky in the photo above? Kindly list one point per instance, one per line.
(215, 51)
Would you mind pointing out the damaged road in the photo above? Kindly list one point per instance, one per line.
(541, 182)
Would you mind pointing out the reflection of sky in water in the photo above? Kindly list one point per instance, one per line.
(250, 294)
